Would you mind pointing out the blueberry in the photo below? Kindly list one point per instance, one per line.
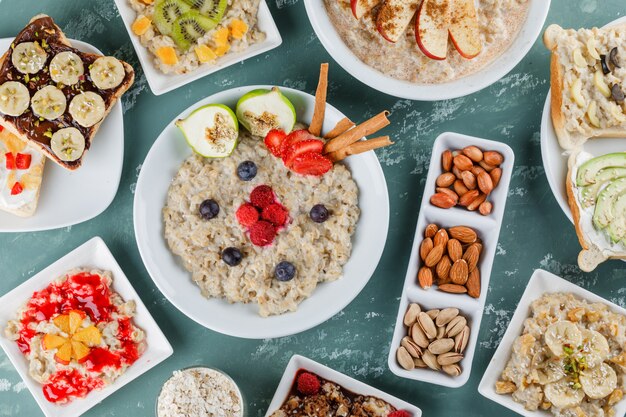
(319, 213)
(285, 271)
(232, 256)
(246, 170)
(209, 209)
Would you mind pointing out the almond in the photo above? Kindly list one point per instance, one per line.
(452, 288)
(455, 250)
(476, 202)
(476, 170)
(474, 153)
(468, 197)
(459, 187)
(445, 180)
(468, 179)
(473, 283)
(493, 158)
(430, 230)
(442, 200)
(471, 256)
(478, 245)
(441, 238)
(434, 256)
(443, 269)
(425, 277)
(463, 163)
(485, 208)
(496, 174)
(459, 272)
(456, 172)
(446, 160)
(463, 234)
(449, 193)
(486, 166)
(485, 183)
(425, 247)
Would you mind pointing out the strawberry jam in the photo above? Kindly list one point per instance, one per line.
(67, 384)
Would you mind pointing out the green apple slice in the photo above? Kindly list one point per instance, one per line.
(604, 214)
(617, 228)
(262, 110)
(590, 192)
(587, 172)
(211, 131)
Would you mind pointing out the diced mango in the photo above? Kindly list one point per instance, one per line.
(238, 28)
(89, 336)
(204, 53)
(221, 50)
(64, 354)
(141, 25)
(220, 37)
(167, 55)
(52, 341)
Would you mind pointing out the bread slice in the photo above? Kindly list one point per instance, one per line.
(37, 132)
(23, 204)
(591, 254)
(572, 122)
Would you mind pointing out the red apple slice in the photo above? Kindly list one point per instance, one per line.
(360, 7)
(431, 28)
(394, 16)
(464, 29)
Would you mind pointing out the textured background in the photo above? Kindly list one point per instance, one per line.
(535, 233)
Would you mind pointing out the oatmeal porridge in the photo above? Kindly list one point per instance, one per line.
(77, 335)
(499, 23)
(570, 358)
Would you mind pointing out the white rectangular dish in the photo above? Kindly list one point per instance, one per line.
(488, 230)
(162, 83)
(298, 362)
(92, 254)
(540, 283)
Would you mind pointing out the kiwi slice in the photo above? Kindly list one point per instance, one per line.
(189, 27)
(213, 9)
(166, 12)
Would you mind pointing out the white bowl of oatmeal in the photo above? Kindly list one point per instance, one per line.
(541, 346)
(508, 29)
(359, 243)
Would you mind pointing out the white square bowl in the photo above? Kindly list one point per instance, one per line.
(92, 254)
(298, 362)
(162, 83)
(487, 228)
(540, 283)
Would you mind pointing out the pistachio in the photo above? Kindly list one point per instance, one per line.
(419, 363)
(411, 314)
(441, 332)
(433, 313)
(427, 325)
(411, 347)
(431, 361)
(461, 339)
(419, 337)
(456, 326)
(452, 370)
(405, 359)
(441, 346)
(445, 316)
(449, 358)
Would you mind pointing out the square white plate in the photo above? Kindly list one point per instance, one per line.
(540, 283)
(162, 83)
(298, 362)
(72, 197)
(92, 254)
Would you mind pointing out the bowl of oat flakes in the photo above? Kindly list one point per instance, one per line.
(388, 49)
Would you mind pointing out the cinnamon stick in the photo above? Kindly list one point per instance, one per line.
(359, 147)
(368, 127)
(320, 102)
(342, 126)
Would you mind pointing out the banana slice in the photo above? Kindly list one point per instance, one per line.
(87, 108)
(595, 348)
(598, 382)
(28, 57)
(14, 98)
(546, 368)
(49, 102)
(66, 68)
(562, 394)
(107, 72)
(560, 334)
(68, 144)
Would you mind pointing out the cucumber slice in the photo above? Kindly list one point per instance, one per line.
(211, 131)
(262, 110)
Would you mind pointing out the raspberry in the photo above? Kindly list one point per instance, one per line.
(247, 215)
(262, 196)
(262, 233)
(308, 384)
(275, 214)
(399, 413)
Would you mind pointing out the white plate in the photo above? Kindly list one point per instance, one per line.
(298, 362)
(501, 66)
(540, 283)
(487, 228)
(555, 158)
(92, 254)
(162, 83)
(72, 197)
(161, 165)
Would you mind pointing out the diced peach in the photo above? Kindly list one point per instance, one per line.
(238, 28)
(141, 25)
(167, 55)
(30, 182)
(90, 336)
(76, 319)
(64, 354)
(13, 143)
(220, 37)
(221, 50)
(204, 53)
(62, 322)
(79, 350)
(52, 341)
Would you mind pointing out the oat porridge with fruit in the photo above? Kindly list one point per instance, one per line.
(185, 34)
(427, 42)
(77, 335)
(569, 360)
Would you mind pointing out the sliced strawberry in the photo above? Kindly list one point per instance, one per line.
(293, 137)
(10, 160)
(1, 128)
(17, 189)
(23, 160)
(299, 148)
(273, 141)
(311, 164)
